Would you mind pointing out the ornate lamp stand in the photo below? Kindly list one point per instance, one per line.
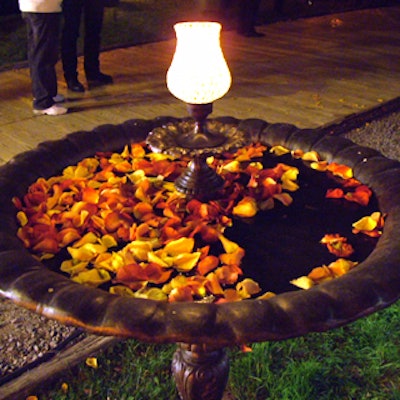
(198, 75)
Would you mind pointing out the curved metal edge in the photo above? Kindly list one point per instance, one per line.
(372, 286)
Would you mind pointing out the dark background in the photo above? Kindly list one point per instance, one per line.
(8, 7)
(290, 8)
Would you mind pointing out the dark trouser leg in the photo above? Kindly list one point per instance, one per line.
(72, 11)
(93, 19)
(43, 40)
(224, 6)
(278, 7)
(248, 10)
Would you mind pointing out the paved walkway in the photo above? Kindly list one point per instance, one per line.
(309, 72)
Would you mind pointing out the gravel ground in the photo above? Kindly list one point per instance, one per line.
(381, 134)
(26, 337)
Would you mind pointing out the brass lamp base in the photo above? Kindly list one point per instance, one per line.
(197, 138)
(199, 180)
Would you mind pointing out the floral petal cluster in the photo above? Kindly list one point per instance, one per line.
(121, 224)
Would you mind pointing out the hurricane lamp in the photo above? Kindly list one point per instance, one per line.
(198, 75)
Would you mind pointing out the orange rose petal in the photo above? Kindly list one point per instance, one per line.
(112, 222)
(180, 294)
(335, 193)
(361, 195)
(209, 234)
(341, 266)
(228, 274)
(343, 171)
(90, 195)
(213, 284)
(47, 245)
(319, 274)
(141, 209)
(137, 150)
(233, 258)
(207, 264)
(231, 295)
(340, 249)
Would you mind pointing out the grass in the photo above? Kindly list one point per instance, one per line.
(358, 361)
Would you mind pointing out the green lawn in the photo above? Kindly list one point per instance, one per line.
(359, 361)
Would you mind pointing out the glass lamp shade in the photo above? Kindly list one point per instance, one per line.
(198, 73)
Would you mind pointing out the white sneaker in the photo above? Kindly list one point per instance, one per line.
(53, 110)
(59, 98)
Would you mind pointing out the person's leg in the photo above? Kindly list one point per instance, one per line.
(93, 21)
(43, 39)
(278, 7)
(243, 20)
(224, 11)
(248, 10)
(72, 11)
(255, 6)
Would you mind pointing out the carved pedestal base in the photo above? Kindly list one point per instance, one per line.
(200, 373)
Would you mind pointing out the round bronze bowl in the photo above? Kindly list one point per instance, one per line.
(373, 285)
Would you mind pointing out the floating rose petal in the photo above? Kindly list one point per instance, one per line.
(246, 208)
(92, 277)
(279, 150)
(341, 170)
(370, 225)
(337, 245)
(207, 264)
(247, 288)
(186, 262)
(335, 193)
(361, 195)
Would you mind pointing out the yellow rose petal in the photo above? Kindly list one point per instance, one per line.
(304, 282)
(186, 262)
(92, 362)
(279, 150)
(246, 208)
(179, 246)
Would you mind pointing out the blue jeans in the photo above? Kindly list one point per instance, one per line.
(43, 46)
(92, 12)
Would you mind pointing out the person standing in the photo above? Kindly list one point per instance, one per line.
(246, 17)
(92, 12)
(42, 19)
(248, 11)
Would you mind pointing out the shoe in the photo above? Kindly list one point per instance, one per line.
(75, 86)
(252, 33)
(99, 79)
(55, 109)
(59, 98)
